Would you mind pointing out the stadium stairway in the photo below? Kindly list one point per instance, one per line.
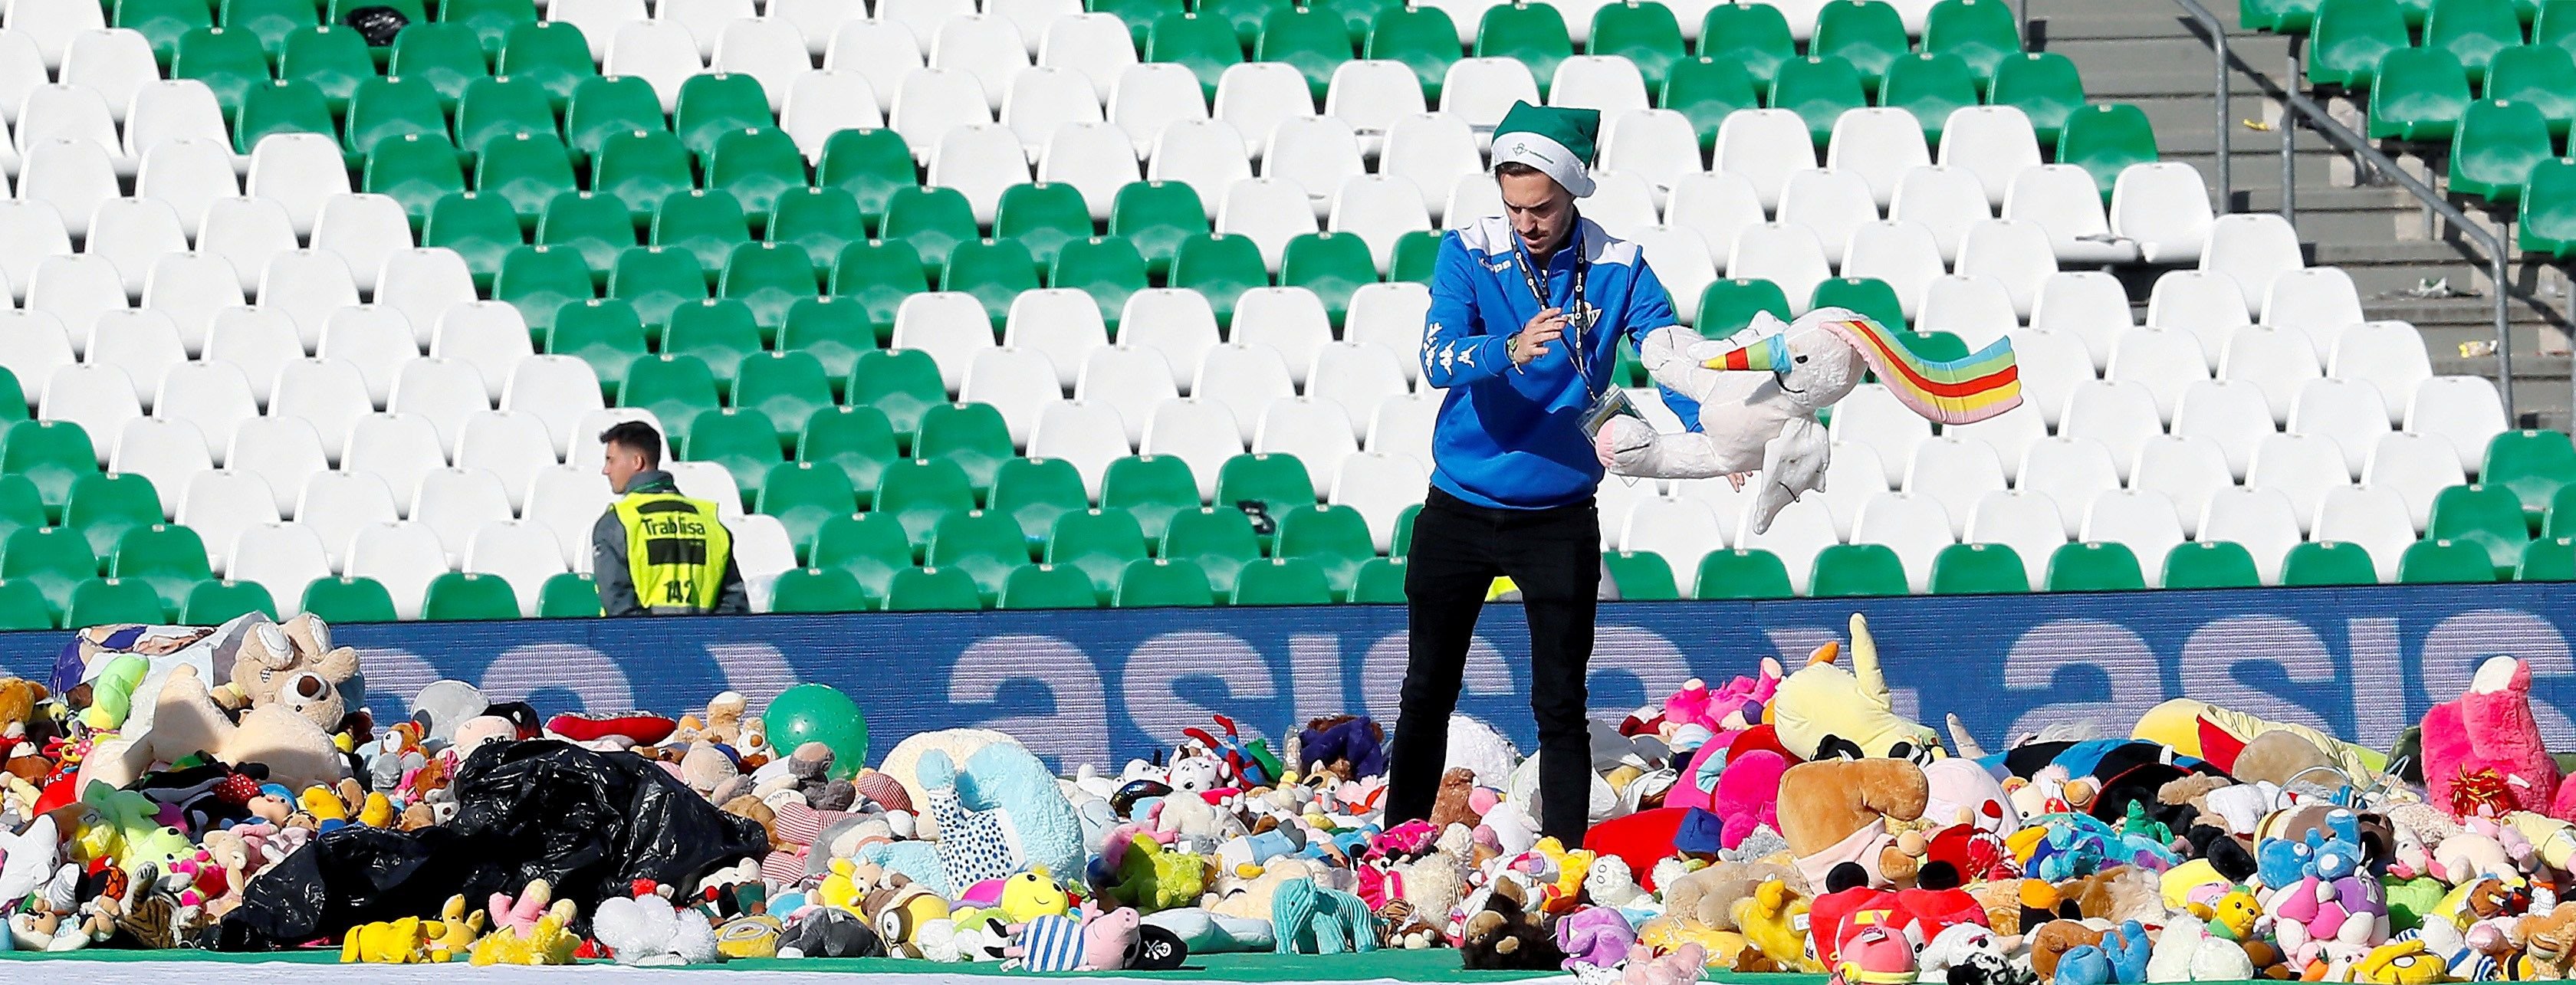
(2150, 54)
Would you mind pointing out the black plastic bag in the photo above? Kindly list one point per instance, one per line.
(588, 823)
(377, 24)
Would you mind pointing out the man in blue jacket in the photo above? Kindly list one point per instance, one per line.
(1527, 310)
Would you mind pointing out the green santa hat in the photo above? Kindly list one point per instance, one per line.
(1555, 140)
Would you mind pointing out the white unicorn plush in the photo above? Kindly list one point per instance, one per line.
(1759, 390)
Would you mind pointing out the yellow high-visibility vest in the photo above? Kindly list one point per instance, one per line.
(676, 550)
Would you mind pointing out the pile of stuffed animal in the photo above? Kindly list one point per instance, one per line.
(1790, 820)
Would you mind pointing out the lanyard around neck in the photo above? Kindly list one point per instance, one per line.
(1578, 316)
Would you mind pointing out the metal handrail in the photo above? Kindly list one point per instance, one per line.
(2359, 147)
(2218, 97)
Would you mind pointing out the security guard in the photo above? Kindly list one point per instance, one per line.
(656, 552)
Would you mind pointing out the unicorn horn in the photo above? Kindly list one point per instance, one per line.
(1769, 354)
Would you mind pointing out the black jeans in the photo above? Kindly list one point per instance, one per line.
(1554, 556)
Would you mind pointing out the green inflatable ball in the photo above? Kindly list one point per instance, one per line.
(819, 713)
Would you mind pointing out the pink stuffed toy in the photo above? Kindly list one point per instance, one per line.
(1108, 939)
(1748, 795)
(1686, 964)
(1725, 713)
(2490, 728)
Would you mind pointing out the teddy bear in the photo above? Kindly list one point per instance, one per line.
(1823, 711)
(2052, 941)
(1836, 812)
(1504, 935)
(2548, 941)
(291, 664)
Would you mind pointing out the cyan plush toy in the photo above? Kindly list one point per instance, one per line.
(1001, 814)
(1208, 933)
(2121, 958)
(1311, 919)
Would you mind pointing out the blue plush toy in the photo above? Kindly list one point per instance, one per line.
(1001, 814)
(1326, 921)
(1351, 746)
(2279, 862)
(2121, 959)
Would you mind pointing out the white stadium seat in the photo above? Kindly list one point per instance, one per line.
(445, 392)
(816, 20)
(248, 233)
(1797, 535)
(1479, 90)
(1089, 434)
(2062, 199)
(822, 103)
(952, 327)
(512, 446)
(933, 101)
(76, 289)
(1901, 253)
(1433, 151)
(214, 396)
(2462, 409)
(1977, 309)
(558, 390)
(219, 505)
(2205, 303)
(1243, 379)
(772, 51)
(569, 499)
(2187, 469)
(1993, 142)
(2278, 360)
(167, 451)
(1148, 98)
(2013, 251)
(1788, 256)
(1095, 158)
(1681, 530)
(708, 481)
(2029, 523)
(2302, 467)
(375, 339)
(521, 552)
(1020, 383)
(308, 285)
(1201, 433)
(1610, 84)
(336, 505)
(365, 230)
(1129, 381)
(280, 557)
(886, 54)
(139, 341)
(1946, 199)
(1855, 476)
(2142, 520)
(2375, 518)
(37, 344)
(2071, 472)
(1095, 45)
(1269, 211)
(2254, 248)
(1390, 316)
(2319, 301)
(2388, 354)
(2349, 412)
(2235, 415)
(1206, 155)
(1880, 144)
(2164, 361)
(192, 288)
(2052, 364)
(1179, 324)
(1872, 416)
(132, 233)
(2164, 207)
(1766, 147)
(1380, 486)
(1915, 527)
(980, 161)
(455, 502)
(2008, 434)
(490, 336)
(403, 557)
(2261, 520)
(663, 53)
(1381, 210)
(989, 48)
(1401, 424)
(1062, 324)
(97, 396)
(2417, 467)
(284, 452)
(30, 231)
(1954, 472)
(1831, 204)
(1317, 432)
(1290, 320)
(597, 19)
(399, 448)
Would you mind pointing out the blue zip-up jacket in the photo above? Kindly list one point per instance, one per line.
(1512, 437)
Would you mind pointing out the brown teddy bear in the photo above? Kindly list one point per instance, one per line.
(1505, 935)
(2548, 941)
(2052, 940)
(291, 665)
(1837, 811)
(1453, 804)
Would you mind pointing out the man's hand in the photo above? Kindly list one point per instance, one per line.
(1547, 326)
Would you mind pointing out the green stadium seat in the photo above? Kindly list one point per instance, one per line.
(269, 21)
(1978, 569)
(877, 277)
(1819, 90)
(2091, 566)
(595, 226)
(2417, 94)
(2350, 37)
(481, 229)
(1282, 581)
(2281, 16)
(972, 435)
(714, 104)
(821, 221)
(718, 332)
(540, 281)
(107, 601)
(1139, 14)
(2105, 139)
(1034, 492)
(337, 11)
(804, 496)
(20, 504)
(869, 164)
(13, 398)
(1981, 33)
(1415, 254)
(1042, 218)
(348, 599)
(1149, 582)
(1310, 41)
(1639, 575)
(1867, 33)
(2489, 517)
(932, 590)
(2554, 24)
(50, 454)
(903, 384)
(1106, 267)
(23, 606)
(382, 108)
(603, 107)
(994, 272)
(769, 279)
(2333, 563)
(1404, 530)
(1704, 90)
(1242, 17)
(1156, 217)
(759, 166)
(161, 22)
(1531, 34)
(331, 57)
(1845, 570)
(856, 440)
(104, 505)
(2437, 562)
(2533, 465)
(2548, 559)
(1045, 586)
(2497, 146)
(918, 492)
(1357, 17)
(2210, 564)
(1754, 35)
(1727, 306)
(1867, 295)
(642, 168)
(674, 388)
(1381, 582)
(1930, 86)
(2474, 31)
(789, 388)
(1335, 538)
(491, 20)
(414, 169)
(933, 220)
(2044, 86)
(1102, 544)
(657, 282)
(1644, 33)
(445, 55)
(1221, 266)
(817, 590)
(2548, 209)
(2542, 75)
(1333, 265)
(869, 548)
(1219, 540)
(1748, 573)
(167, 558)
(280, 107)
(464, 595)
(1203, 44)
(1151, 488)
(984, 545)
(706, 225)
(53, 559)
(568, 595)
(740, 442)
(834, 330)
(1271, 483)
(1423, 38)
(553, 55)
(213, 603)
(527, 171)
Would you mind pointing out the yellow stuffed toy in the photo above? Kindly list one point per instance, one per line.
(547, 943)
(454, 931)
(2182, 722)
(844, 888)
(1571, 867)
(404, 941)
(2400, 963)
(1823, 711)
(1773, 920)
(1030, 895)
